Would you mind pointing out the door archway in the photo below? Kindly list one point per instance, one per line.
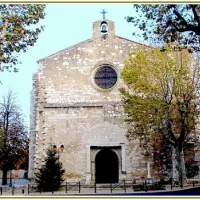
(106, 167)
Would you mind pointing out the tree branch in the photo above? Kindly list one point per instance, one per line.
(180, 17)
(195, 15)
(187, 26)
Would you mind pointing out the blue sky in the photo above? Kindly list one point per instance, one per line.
(65, 25)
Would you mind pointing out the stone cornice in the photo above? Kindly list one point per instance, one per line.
(81, 104)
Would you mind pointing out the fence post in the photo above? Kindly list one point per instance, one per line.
(13, 190)
(40, 189)
(66, 187)
(171, 183)
(1, 190)
(95, 187)
(193, 184)
(124, 186)
(133, 182)
(52, 188)
(181, 183)
(79, 186)
(145, 185)
(111, 186)
(22, 190)
(28, 189)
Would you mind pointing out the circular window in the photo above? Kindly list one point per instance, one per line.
(105, 77)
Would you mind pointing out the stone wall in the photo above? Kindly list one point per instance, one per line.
(69, 109)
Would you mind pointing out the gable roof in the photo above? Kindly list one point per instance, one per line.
(85, 41)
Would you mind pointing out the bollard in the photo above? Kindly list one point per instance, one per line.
(22, 190)
(1, 190)
(28, 189)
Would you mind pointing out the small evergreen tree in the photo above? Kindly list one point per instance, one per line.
(50, 175)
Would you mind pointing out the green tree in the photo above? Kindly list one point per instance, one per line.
(18, 31)
(161, 96)
(169, 22)
(50, 175)
(13, 134)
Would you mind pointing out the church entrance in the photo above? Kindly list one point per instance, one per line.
(106, 166)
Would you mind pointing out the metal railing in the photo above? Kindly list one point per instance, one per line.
(73, 186)
(123, 186)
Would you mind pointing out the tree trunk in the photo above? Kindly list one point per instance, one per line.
(181, 165)
(4, 176)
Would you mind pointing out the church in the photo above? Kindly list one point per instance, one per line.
(76, 109)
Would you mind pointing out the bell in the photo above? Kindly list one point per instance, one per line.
(103, 28)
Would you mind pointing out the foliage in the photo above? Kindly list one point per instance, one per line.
(192, 168)
(50, 175)
(169, 22)
(18, 31)
(161, 95)
(161, 157)
(14, 137)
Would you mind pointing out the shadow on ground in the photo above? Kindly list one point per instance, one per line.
(184, 192)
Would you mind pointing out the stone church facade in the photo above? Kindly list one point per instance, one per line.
(76, 108)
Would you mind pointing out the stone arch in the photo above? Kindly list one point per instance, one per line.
(106, 166)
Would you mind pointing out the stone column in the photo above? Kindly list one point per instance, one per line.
(123, 158)
(88, 170)
(148, 169)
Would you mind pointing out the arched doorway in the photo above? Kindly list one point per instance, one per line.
(106, 167)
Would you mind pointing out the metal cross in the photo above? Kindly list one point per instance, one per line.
(103, 12)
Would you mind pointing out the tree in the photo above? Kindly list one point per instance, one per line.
(162, 96)
(13, 134)
(18, 31)
(50, 174)
(169, 23)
